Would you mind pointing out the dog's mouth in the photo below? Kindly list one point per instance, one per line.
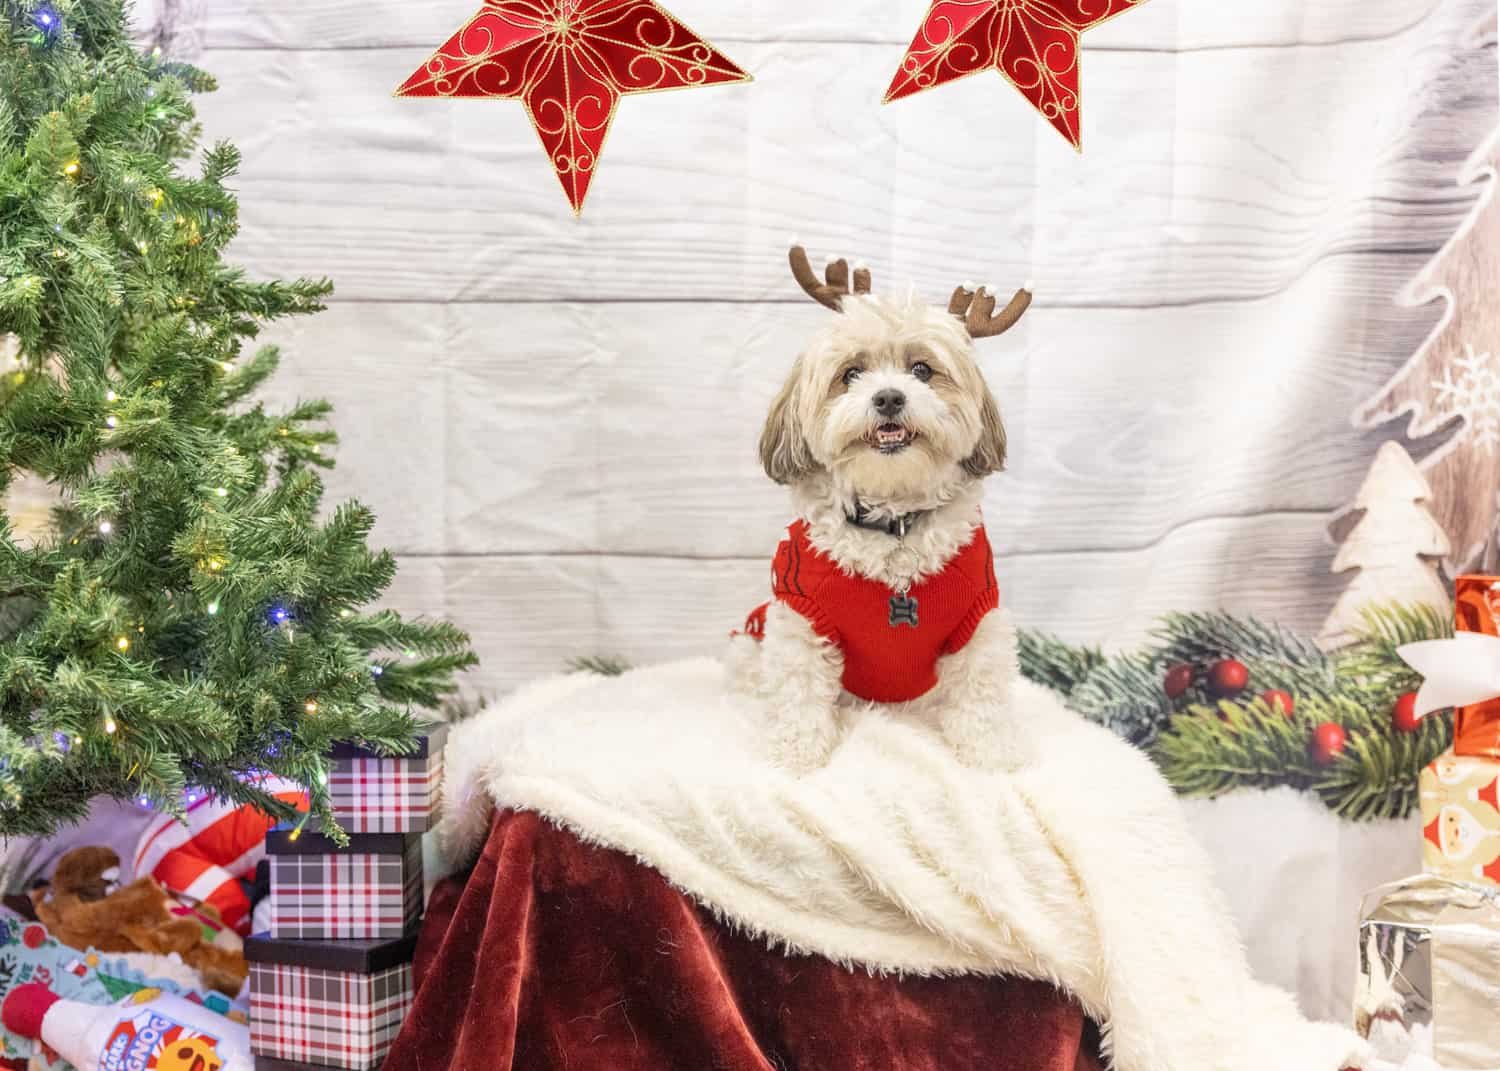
(891, 438)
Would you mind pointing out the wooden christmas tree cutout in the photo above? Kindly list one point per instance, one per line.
(1453, 380)
(1393, 541)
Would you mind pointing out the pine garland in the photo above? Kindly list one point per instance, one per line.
(1207, 745)
(1125, 696)
(191, 618)
(600, 665)
(1055, 664)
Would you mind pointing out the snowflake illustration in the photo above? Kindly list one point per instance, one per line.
(1473, 394)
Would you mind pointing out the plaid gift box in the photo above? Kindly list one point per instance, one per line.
(333, 1003)
(388, 793)
(319, 891)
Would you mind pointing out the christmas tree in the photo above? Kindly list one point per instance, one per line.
(1393, 542)
(1452, 383)
(189, 618)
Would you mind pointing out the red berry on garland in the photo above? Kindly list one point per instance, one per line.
(1178, 680)
(1276, 699)
(1404, 714)
(1328, 742)
(1228, 678)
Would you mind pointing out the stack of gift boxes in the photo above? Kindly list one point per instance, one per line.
(331, 980)
(1429, 949)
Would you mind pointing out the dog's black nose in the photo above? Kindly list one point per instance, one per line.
(889, 402)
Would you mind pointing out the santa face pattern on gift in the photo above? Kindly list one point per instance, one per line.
(1460, 836)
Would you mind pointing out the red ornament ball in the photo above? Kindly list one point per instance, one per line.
(1178, 680)
(33, 936)
(1228, 678)
(1276, 699)
(1404, 714)
(1328, 742)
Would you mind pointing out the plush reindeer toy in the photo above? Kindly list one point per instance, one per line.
(884, 588)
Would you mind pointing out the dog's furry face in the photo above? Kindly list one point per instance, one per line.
(889, 401)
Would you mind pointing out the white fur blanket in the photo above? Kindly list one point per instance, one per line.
(896, 857)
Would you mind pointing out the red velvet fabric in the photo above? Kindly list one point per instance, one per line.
(557, 955)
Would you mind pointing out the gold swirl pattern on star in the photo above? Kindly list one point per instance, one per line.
(1034, 44)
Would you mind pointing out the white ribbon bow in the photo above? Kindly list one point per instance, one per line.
(1457, 672)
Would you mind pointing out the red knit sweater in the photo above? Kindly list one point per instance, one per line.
(883, 663)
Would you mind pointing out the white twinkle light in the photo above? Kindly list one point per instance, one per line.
(105, 528)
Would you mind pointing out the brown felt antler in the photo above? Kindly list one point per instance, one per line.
(832, 292)
(977, 310)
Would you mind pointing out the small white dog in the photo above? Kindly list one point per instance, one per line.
(884, 589)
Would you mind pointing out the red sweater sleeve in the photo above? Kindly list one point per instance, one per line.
(978, 564)
(794, 581)
(984, 602)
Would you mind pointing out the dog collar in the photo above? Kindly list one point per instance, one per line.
(896, 526)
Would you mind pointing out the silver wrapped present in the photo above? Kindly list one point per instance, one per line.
(1429, 973)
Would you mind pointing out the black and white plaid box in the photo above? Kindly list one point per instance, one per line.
(331, 1003)
(388, 793)
(319, 891)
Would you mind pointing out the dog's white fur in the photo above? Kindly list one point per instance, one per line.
(817, 440)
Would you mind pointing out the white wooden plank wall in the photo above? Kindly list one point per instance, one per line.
(556, 419)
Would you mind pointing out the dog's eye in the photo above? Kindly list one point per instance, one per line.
(922, 370)
(851, 374)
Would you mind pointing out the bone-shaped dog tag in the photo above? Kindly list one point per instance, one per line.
(903, 611)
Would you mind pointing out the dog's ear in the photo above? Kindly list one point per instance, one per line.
(989, 455)
(783, 447)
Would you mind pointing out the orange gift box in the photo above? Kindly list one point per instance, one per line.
(1476, 728)
(1461, 819)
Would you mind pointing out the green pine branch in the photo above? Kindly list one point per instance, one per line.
(1055, 664)
(601, 665)
(1208, 745)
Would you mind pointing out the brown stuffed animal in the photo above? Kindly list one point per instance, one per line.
(80, 910)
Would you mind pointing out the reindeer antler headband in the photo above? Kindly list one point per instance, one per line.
(975, 308)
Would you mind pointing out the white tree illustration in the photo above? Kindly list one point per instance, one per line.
(1392, 540)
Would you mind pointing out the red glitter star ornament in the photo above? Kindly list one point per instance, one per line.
(570, 62)
(1034, 43)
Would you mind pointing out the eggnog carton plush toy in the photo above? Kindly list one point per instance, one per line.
(148, 1031)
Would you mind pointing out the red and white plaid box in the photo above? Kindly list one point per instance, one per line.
(319, 891)
(388, 794)
(332, 1003)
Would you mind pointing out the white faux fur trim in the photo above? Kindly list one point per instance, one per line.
(1077, 868)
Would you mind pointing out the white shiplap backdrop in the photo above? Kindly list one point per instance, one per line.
(556, 419)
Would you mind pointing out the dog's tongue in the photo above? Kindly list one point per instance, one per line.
(891, 435)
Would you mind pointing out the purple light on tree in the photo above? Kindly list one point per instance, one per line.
(46, 19)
